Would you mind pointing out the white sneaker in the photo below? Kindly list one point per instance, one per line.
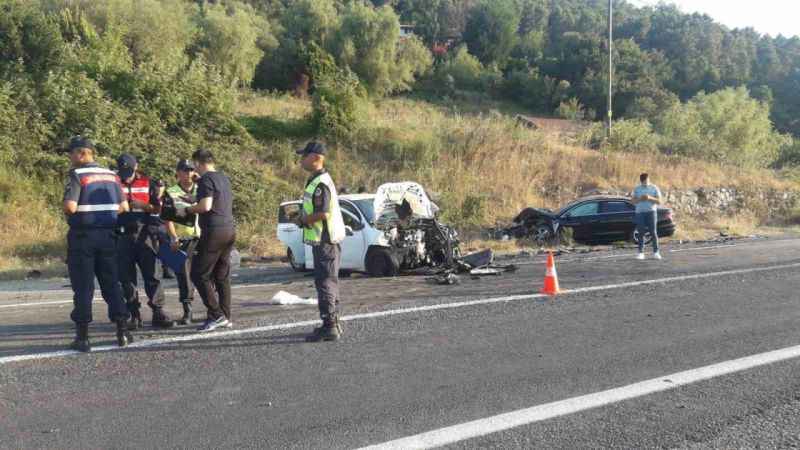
(640, 256)
(656, 255)
(211, 325)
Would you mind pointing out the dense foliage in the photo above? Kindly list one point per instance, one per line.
(159, 77)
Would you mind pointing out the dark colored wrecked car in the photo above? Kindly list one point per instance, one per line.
(592, 220)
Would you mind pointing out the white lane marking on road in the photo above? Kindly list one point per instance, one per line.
(242, 286)
(24, 305)
(395, 312)
(506, 421)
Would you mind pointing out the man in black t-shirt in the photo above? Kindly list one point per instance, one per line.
(211, 268)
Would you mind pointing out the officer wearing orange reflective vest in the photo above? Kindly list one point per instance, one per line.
(323, 230)
(93, 200)
(140, 230)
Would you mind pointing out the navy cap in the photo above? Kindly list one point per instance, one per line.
(185, 165)
(80, 142)
(312, 147)
(126, 165)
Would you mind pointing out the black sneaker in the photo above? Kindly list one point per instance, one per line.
(211, 324)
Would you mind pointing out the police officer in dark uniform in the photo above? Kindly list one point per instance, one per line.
(324, 231)
(92, 201)
(141, 229)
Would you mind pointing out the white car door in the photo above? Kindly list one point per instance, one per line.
(354, 245)
(290, 234)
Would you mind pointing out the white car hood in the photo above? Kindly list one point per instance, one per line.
(390, 195)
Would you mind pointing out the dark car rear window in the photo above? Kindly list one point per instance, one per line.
(616, 207)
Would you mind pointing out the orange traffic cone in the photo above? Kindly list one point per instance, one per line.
(551, 277)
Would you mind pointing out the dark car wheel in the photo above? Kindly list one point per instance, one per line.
(380, 262)
(542, 233)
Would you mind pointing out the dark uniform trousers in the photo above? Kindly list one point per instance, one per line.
(211, 270)
(327, 259)
(185, 286)
(135, 248)
(90, 253)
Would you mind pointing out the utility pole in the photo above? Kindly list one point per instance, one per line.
(610, 62)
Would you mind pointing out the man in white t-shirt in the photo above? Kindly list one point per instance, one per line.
(647, 197)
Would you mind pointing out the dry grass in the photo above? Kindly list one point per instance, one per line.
(487, 158)
(33, 231)
(463, 155)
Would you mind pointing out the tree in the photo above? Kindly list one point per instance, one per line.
(303, 23)
(156, 32)
(28, 38)
(368, 44)
(234, 38)
(727, 126)
(491, 31)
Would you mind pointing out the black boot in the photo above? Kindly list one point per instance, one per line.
(187, 314)
(327, 332)
(161, 319)
(81, 342)
(136, 320)
(124, 337)
(336, 323)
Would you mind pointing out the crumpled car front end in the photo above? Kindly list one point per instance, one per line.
(407, 217)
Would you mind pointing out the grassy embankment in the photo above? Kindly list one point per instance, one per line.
(482, 168)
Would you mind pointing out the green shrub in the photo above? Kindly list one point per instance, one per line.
(572, 109)
(338, 96)
(463, 72)
(530, 88)
(789, 155)
(727, 126)
(30, 41)
(473, 210)
(633, 136)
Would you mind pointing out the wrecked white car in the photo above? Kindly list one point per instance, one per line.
(390, 231)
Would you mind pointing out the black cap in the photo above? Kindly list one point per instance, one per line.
(80, 142)
(312, 147)
(126, 165)
(185, 165)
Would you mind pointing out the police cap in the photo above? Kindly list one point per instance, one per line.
(312, 147)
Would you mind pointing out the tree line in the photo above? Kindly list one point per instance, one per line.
(134, 72)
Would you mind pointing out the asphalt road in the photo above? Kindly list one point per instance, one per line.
(401, 371)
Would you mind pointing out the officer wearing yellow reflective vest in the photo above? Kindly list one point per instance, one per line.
(184, 232)
(323, 230)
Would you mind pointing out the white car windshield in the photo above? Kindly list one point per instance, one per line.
(391, 195)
